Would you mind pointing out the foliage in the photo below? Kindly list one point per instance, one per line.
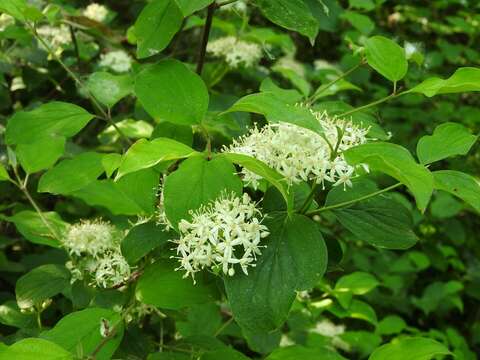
(249, 179)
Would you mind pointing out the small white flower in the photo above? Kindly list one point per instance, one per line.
(328, 329)
(300, 154)
(236, 52)
(96, 12)
(94, 247)
(222, 234)
(5, 21)
(56, 37)
(160, 213)
(118, 61)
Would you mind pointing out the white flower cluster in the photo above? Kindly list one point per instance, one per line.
(300, 154)
(55, 37)
(96, 12)
(236, 52)
(221, 234)
(118, 61)
(328, 329)
(5, 21)
(94, 247)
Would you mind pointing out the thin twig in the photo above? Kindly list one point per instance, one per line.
(205, 35)
(389, 97)
(75, 45)
(350, 202)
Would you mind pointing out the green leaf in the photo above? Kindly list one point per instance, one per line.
(359, 21)
(358, 283)
(462, 185)
(386, 57)
(265, 172)
(11, 315)
(291, 14)
(356, 310)
(72, 175)
(305, 353)
(162, 286)
(111, 162)
(41, 154)
(131, 128)
(202, 319)
(32, 227)
(142, 239)
(3, 173)
(396, 161)
(34, 349)
(276, 110)
(133, 194)
(40, 284)
(391, 324)
(409, 348)
(169, 91)
(181, 133)
(295, 258)
(195, 183)
(145, 154)
(222, 354)
(188, 7)
(362, 4)
(81, 330)
(20, 10)
(463, 80)
(448, 139)
(54, 119)
(108, 88)
(156, 25)
(381, 222)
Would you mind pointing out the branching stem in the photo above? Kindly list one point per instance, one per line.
(205, 35)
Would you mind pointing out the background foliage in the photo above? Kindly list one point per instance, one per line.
(82, 140)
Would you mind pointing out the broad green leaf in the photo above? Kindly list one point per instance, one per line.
(81, 330)
(276, 110)
(31, 225)
(34, 349)
(391, 324)
(162, 286)
(54, 119)
(380, 221)
(20, 10)
(295, 258)
(156, 25)
(181, 133)
(448, 139)
(223, 354)
(462, 185)
(297, 352)
(291, 14)
(396, 161)
(71, 175)
(142, 239)
(41, 154)
(131, 128)
(133, 194)
(362, 4)
(386, 57)
(108, 88)
(40, 284)
(111, 162)
(437, 294)
(358, 283)
(202, 319)
(463, 80)
(409, 348)
(359, 21)
(11, 315)
(265, 172)
(169, 91)
(3, 173)
(145, 154)
(197, 182)
(356, 310)
(188, 7)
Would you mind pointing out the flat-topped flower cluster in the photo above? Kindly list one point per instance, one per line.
(300, 154)
(94, 247)
(225, 233)
(236, 52)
